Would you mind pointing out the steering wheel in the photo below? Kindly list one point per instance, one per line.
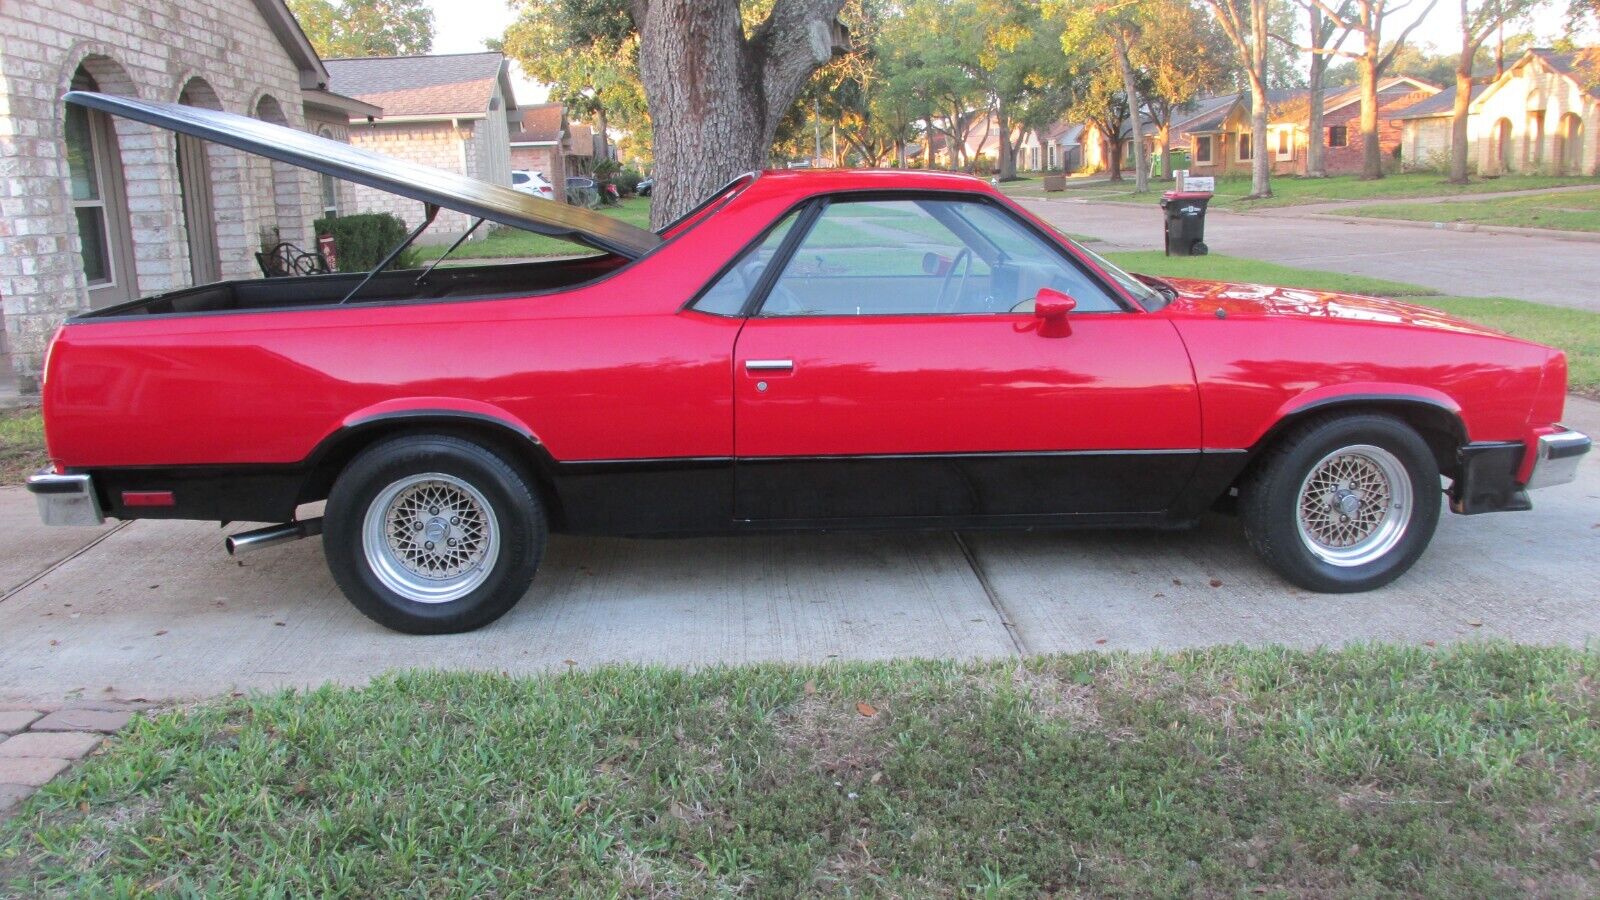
(965, 256)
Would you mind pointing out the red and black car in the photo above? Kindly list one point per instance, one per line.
(806, 350)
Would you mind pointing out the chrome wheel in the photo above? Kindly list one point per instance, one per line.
(431, 538)
(1354, 505)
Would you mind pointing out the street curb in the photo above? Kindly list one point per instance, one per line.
(1583, 237)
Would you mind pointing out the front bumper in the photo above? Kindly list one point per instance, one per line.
(66, 499)
(1556, 458)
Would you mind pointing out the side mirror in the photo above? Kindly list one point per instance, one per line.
(1051, 307)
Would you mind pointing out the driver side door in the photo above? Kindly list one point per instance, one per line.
(894, 372)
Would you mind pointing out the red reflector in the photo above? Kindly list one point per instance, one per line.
(148, 498)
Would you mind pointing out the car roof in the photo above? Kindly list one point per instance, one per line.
(826, 181)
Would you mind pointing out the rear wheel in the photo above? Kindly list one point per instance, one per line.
(432, 534)
(1344, 503)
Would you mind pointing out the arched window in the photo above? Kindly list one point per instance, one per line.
(97, 195)
(194, 183)
(330, 185)
(1569, 145)
(1500, 147)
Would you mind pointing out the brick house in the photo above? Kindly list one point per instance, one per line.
(542, 142)
(451, 111)
(96, 210)
(1538, 116)
(1218, 135)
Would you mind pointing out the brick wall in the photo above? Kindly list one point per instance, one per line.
(150, 49)
(478, 148)
(1347, 160)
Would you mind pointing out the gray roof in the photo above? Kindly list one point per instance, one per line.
(493, 202)
(451, 84)
(1440, 104)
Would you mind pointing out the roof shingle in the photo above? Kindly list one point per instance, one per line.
(453, 84)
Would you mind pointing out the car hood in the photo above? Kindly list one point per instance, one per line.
(1208, 298)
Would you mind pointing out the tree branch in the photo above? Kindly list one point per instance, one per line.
(1387, 58)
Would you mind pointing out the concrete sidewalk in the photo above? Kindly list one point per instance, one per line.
(156, 611)
(1470, 264)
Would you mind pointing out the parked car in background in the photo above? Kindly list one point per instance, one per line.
(583, 191)
(646, 185)
(534, 183)
(805, 350)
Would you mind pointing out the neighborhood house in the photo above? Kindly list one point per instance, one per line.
(452, 112)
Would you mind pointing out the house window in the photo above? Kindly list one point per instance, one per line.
(1202, 149)
(84, 163)
(1285, 145)
(1245, 138)
(1050, 156)
(1338, 135)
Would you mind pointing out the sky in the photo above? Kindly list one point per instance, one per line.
(460, 26)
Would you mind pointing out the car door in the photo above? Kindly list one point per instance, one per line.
(893, 371)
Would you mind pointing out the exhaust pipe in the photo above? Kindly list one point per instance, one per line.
(246, 541)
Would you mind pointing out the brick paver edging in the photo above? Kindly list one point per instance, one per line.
(37, 745)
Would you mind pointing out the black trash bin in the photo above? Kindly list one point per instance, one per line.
(1185, 214)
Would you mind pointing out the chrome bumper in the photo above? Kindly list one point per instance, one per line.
(66, 499)
(1558, 457)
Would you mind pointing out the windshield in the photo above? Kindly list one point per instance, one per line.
(1150, 298)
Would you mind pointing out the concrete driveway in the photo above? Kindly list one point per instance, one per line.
(157, 611)
(1468, 264)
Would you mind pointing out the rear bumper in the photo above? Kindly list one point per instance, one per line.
(1556, 458)
(66, 499)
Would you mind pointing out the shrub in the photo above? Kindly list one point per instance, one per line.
(362, 241)
(627, 181)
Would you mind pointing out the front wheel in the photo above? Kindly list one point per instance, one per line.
(1344, 503)
(432, 534)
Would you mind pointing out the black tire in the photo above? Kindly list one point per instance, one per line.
(1269, 501)
(519, 533)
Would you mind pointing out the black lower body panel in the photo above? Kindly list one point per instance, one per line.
(1486, 479)
(720, 495)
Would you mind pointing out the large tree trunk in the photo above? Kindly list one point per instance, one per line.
(715, 97)
(1316, 159)
(1164, 145)
(1130, 90)
(1114, 154)
(1371, 152)
(1260, 169)
(605, 138)
(1007, 164)
(1458, 119)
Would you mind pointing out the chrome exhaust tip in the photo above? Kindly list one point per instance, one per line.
(246, 541)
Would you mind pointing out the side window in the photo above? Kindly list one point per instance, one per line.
(923, 257)
(727, 295)
(1025, 263)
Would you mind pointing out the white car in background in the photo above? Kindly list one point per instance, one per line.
(530, 182)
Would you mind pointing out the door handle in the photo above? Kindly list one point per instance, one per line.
(769, 365)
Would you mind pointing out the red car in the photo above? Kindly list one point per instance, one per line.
(806, 350)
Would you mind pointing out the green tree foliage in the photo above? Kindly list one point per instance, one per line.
(591, 64)
(343, 28)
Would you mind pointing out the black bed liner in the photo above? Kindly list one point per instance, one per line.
(396, 286)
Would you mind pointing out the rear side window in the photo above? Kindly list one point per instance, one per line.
(726, 296)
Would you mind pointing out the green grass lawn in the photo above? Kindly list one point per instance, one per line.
(21, 444)
(1293, 191)
(1574, 330)
(1571, 211)
(510, 243)
(1467, 772)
